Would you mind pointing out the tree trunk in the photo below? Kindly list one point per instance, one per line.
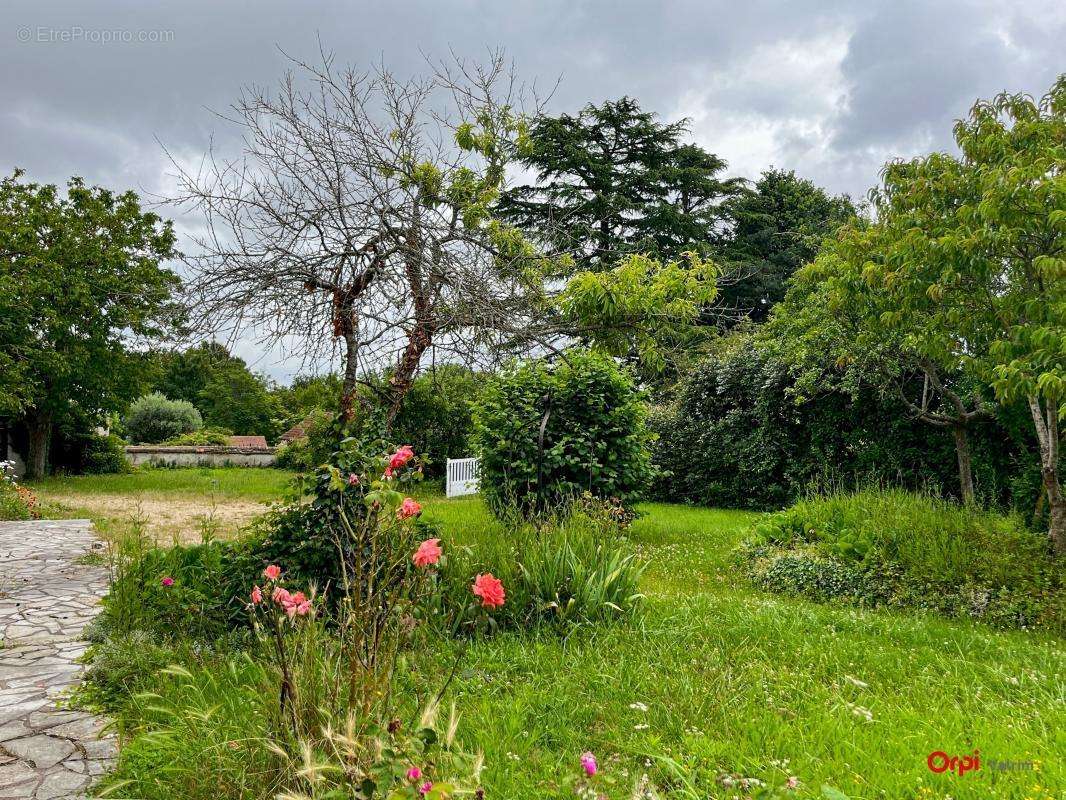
(1047, 434)
(418, 342)
(351, 366)
(962, 451)
(39, 427)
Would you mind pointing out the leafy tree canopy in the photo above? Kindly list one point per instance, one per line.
(81, 276)
(613, 181)
(777, 228)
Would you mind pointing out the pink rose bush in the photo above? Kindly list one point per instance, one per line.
(428, 553)
(489, 589)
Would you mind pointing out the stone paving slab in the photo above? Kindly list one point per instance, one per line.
(46, 598)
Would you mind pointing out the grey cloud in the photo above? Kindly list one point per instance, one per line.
(831, 89)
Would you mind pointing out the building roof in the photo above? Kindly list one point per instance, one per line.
(297, 431)
(248, 442)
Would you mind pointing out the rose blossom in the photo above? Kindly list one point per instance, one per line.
(167, 581)
(272, 573)
(408, 508)
(414, 774)
(401, 457)
(257, 595)
(428, 552)
(588, 763)
(280, 596)
(353, 479)
(490, 589)
(426, 788)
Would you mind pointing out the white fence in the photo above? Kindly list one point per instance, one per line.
(462, 476)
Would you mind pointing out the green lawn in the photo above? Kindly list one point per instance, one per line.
(739, 682)
(735, 682)
(249, 483)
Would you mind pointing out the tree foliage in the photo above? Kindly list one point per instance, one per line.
(613, 181)
(776, 228)
(966, 264)
(81, 275)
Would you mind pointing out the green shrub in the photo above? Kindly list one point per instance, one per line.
(308, 452)
(889, 547)
(736, 437)
(192, 592)
(210, 436)
(153, 419)
(595, 438)
(103, 455)
(436, 416)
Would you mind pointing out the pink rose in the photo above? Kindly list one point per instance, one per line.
(280, 596)
(408, 508)
(401, 457)
(490, 589)
(429, 552)
(257, 596)
(272, 573)
(414, 774)
(167, 581)
(353, 479)
(425, 788)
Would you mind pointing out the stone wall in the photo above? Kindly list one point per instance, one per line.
(164, 456)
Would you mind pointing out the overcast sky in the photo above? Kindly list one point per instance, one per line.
(829, 89)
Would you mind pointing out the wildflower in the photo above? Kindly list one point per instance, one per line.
(408, 508)
(401, 457)
(167, 581)
(588, 763)
(792, 783)
(257, 595)
(638, 707)
(353, 479)
(414, 774)
(426, 788)
(490, 589)
(428, 552)
(272, 573)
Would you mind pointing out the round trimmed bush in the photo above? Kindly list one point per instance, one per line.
(153, 419)
(595, 438)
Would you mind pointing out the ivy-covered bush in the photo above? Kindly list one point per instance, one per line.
(900, 549)
(153, 419)
(735, 437)
(594, 434)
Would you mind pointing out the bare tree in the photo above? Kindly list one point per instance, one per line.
(359, 215)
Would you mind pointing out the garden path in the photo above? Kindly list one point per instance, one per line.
(48, 593)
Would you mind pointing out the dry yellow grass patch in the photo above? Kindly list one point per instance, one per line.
(169, 518)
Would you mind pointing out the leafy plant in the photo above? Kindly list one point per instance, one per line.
(104, 455)
(888, 547)
(153, 419)
(548, 432)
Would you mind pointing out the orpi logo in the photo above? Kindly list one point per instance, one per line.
(939, 761)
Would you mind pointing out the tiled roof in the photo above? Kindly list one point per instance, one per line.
(248, 442)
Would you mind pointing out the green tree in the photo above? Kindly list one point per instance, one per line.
(80, 277)
(776, 229)
(966, 265)
(185, 374)
(238, 400)
(613, 181)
